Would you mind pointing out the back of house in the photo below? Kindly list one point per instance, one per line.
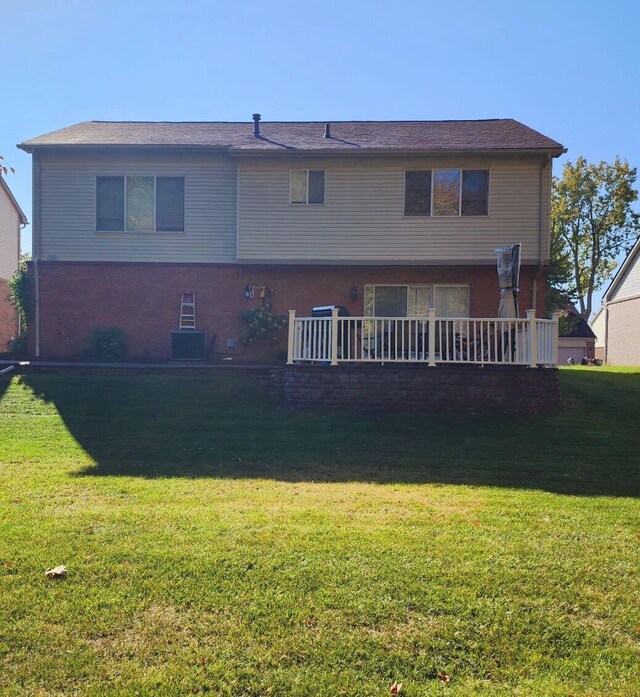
(381, 218)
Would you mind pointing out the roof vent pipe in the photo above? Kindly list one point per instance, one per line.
(327, 130)
(256, 125)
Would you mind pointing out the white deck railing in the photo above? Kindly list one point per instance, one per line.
(430, 340)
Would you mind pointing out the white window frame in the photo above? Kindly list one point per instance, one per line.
(433, 286)
(155, 222)
(306, 171)
(433, 170)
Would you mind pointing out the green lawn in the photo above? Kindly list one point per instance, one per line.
(218, 543)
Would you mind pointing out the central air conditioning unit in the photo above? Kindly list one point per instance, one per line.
(188, 346)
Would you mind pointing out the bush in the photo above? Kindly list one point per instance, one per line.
(18, 345)
(20, 295)
(261, 324)
(107, 345)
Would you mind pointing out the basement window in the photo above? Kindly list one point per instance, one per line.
(306, 186)
(140, 204)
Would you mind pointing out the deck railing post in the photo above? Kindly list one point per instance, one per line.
(291, 338)
(431, 328)
(556, 334)
(533, 339)
(334, 336)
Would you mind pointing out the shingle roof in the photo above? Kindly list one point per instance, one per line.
(580, 329)
(426, 136)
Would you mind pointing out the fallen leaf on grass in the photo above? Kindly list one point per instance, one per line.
(56, 572)
(443, 677)
(396, 688)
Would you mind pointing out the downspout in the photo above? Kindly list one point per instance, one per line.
(36, 247)
(606, 332)
(541, 230)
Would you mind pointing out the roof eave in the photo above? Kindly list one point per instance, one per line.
(373, 152)
(31, 147)
(620, 272)
(324, 152)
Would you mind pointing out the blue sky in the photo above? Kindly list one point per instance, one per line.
(568, 69)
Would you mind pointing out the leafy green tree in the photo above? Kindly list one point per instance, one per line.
(592, 223)
(561, 289)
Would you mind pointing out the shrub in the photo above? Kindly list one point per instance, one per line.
(261, 324)
(107, 344)
(18, 344)
(20, 294)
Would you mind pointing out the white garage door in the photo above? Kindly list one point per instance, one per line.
(564, 353)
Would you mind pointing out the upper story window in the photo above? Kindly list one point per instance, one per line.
(446, 192)
(140, 204)
(307, 186)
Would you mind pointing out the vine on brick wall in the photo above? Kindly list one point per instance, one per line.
(20, 295)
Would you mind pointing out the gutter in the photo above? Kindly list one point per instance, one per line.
(606, 332)
(284, 150)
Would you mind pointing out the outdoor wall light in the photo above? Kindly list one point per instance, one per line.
(354, 293)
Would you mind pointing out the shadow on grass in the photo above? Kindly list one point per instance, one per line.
(226, 427)
(4, 382)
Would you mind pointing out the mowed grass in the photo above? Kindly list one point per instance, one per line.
(217, 543)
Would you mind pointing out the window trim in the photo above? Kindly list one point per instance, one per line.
(155, 230)
(434, 169)
(307, 203)
(433, 287)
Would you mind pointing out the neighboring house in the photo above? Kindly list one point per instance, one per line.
(385, 218)
(578, 341)
(11, 220)
(617, 324)
(597, 327)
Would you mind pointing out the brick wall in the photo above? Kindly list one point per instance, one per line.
(143, 299)
(8, 317)
(623, 332)
(412, 388)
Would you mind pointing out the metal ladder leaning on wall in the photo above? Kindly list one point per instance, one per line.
(187, 311)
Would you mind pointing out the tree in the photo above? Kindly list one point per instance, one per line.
(5, 168)
(561, 289)
(592, 222)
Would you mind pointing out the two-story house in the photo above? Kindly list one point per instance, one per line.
(386, 218)
(12, 219)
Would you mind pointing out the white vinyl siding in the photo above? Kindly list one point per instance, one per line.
(9, 226)
(629, 285)
(68, 208)
(362, 220)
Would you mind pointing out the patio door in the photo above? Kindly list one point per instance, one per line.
(451, 300)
